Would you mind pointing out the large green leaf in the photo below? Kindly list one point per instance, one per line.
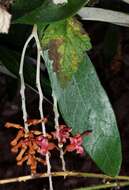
(67, 42)
(43, 11)
(85, 105)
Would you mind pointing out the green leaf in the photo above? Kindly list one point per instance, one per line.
(85, 105)
(67, 42)
(43, 11)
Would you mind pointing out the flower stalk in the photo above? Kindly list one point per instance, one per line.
(56, 119)
(41, 97)
(22, 90)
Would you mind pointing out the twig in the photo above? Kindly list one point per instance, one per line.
(66, 174)
(22, 91)
(41, 97)
(55, 109)
(105, 186)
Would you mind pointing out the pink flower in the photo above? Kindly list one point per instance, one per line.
(75, 144)
(44, 145)
(62, 134)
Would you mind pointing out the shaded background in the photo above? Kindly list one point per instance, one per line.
(110, 56)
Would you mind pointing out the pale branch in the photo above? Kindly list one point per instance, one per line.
(55, 109)
(62, 159)
(65, 174)
(22, 90)
(105, 186)
(38, 83)
(41, 98)
(56, 118)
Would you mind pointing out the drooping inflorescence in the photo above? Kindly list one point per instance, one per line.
(31, 146)
(34, 146)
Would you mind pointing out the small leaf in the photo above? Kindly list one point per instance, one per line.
(43, 11)
(67, 42)
(84, 105)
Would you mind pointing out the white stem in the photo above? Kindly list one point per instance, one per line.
(41, 97)
(62, 160)
(56, 118)
(22, 90)
(55, 109)
(38, 84)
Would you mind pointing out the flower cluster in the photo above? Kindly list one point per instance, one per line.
(62, 134)
(75, 144)
(70, 144)
(29, 145)
(32, 146)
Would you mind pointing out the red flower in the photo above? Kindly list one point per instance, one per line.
(44, 145)
(75, 144)
(62, 134)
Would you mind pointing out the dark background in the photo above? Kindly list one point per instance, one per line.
(110, 56)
